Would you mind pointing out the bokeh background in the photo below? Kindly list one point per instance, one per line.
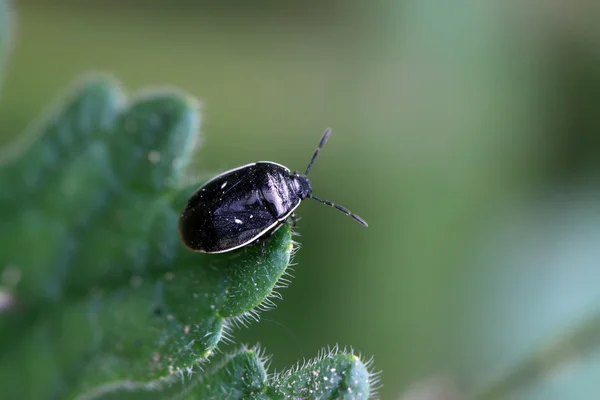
(466, 133)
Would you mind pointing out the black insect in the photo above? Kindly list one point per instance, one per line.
(244, 204)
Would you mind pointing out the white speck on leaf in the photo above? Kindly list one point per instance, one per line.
(11, 275)
(6, 300)
(177, 162)
(154, 156)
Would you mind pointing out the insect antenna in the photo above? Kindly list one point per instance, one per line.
(342, 209)
(318, 150)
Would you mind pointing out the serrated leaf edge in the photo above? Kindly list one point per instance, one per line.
(12, 151)
(374, 380)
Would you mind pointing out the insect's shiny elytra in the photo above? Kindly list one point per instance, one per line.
(239, 206)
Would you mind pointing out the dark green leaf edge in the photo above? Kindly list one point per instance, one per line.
(14, 150)
(268, 303)
(17, 148)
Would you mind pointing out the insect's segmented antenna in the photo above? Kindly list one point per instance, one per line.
(342, 209)
(318, 150)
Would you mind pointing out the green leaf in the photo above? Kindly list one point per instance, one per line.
(331, 375)
(97, 291)
(237, 376)
(243, 375)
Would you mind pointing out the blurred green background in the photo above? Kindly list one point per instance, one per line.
(467, 134)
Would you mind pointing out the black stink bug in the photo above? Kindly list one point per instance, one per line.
(246, 203)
